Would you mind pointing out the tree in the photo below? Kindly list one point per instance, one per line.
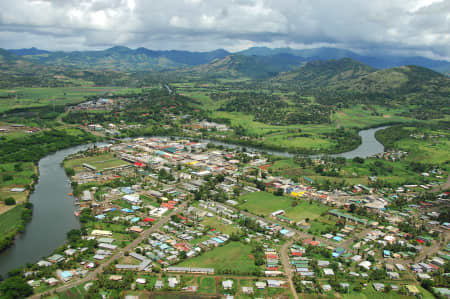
(15, 287)
(358, 160)
(10, 201)
(69, 171)
(278, 192)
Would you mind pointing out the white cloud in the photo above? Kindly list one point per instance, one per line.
(407, 25)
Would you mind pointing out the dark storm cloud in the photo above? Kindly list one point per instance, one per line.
(401, 26)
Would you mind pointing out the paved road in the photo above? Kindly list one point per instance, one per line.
(93, 275)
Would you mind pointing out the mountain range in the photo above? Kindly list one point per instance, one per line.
(278, 60)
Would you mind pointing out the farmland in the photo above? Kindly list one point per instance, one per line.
(10, 220)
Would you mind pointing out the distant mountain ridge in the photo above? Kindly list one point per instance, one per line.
(121, 58)
(381, 61)
(143, 59)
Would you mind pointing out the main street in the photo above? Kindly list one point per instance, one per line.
(93, 275)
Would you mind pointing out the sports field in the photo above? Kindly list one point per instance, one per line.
(100, 162)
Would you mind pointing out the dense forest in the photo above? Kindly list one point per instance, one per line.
(34, 147)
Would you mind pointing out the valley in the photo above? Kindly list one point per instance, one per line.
(222, 174)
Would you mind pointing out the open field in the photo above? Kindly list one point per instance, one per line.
(10, 219)
(43, 96)
(352, 172)
(264, 203)
(207, 285)
(426, 144)
(16, 174)
(99, 161)
(370, 293)
(233, 256)
(360, 116)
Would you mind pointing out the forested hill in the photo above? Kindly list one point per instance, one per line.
(347, 82)
(331, 73)
(239, 66)
(121, 58)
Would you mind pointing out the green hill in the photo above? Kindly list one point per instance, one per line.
(238, 66)
(348, 82)
(329, 73)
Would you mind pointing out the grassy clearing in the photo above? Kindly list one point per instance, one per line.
(233, 256)
(100, 162)
(352, 172)
(359, 116)
(293, 136)
(10, 219)
(207, 285)
(16, 174)
(264, 203)
(429, 151)
(370, 293)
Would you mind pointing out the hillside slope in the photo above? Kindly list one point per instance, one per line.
(239, 66)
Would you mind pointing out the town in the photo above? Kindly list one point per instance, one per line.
(175, 215)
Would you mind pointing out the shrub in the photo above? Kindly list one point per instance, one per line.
(10, 201)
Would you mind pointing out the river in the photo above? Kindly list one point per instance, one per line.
(53, 212)
(369, 146)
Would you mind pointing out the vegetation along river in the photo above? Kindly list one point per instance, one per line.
(53, 212)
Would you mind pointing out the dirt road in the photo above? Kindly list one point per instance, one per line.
(287, 266)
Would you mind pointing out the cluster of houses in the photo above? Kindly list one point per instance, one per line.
(96, 104)
(208, 126)
(173, 170)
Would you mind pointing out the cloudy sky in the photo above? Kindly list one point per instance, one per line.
(392, 26)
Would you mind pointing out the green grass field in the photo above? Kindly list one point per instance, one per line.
(359, 117)
(353, 172)
(370, 293)
(99, 161)
(20, 172)
(264, 203)
(233, 256)
(207, 285)
(431, 150)
(10, 219)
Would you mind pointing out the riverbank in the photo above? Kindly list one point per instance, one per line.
(17, 152)
(52, 214)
